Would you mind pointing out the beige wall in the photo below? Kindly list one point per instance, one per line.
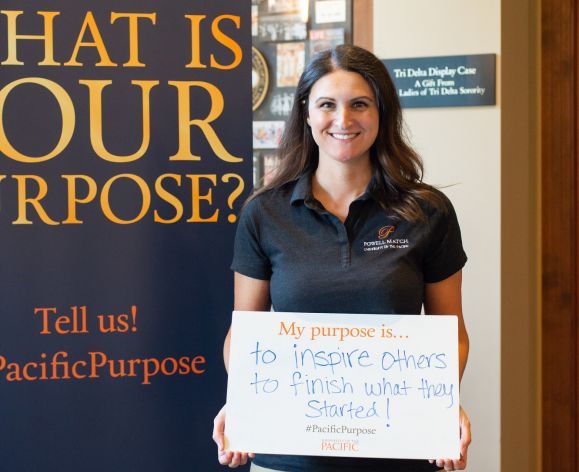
(461, 148)
(490, 159)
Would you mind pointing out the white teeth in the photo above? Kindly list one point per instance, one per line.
(343, 136)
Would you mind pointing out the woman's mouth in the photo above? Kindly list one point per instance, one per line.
(343, 136)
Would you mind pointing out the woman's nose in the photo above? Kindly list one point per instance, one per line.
(342, 117)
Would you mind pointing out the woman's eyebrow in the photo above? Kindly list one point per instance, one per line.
(351, 100)
(362, 97)
(325, 98)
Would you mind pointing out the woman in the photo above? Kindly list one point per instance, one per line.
(347, 178)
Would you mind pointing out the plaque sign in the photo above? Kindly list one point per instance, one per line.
(449, 81)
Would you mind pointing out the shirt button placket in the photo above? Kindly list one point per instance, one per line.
(344, 243)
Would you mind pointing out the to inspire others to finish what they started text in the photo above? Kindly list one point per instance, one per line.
(328, 377)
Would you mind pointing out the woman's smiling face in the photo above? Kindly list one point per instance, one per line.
(343, 116)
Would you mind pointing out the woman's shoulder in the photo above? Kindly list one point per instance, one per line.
(434, 201)
(271, 199)
(272, 196)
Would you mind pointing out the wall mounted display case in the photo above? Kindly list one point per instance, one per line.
(286, 34)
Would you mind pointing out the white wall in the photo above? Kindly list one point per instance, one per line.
(461, 148)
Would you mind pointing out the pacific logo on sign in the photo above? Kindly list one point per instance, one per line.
(336, 445)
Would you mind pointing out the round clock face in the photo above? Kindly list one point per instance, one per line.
(259, 78)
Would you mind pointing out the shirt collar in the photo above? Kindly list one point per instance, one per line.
(303, 189)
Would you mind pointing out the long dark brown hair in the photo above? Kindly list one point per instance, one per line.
(397, 167)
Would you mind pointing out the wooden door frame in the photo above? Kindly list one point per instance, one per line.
(363, 23)
(559, 248)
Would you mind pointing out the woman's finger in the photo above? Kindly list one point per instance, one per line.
(219, 428)
(234, 462)
(224, 457)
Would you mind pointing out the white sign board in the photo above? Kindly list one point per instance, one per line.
(343, 385)
(331, 11)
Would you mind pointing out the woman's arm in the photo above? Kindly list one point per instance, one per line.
(445, 298)
(248, 295)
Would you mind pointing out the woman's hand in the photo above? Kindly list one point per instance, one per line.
(458, 464)
(229, 458)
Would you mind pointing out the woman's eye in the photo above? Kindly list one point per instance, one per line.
(326, 105)
(360, 104)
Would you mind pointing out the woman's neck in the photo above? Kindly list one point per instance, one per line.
(336, 186)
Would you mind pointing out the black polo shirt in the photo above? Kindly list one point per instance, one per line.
(371, 263)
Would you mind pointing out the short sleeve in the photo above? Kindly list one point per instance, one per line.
(249, 257)
(445, 254)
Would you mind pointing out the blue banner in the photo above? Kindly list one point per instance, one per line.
(125, 155)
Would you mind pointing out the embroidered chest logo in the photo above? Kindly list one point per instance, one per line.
(385, 241)
(386, 231)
